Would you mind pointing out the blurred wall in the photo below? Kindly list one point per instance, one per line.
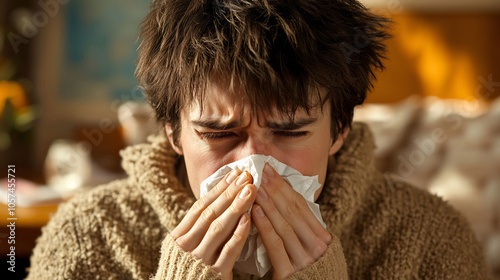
(84, 68)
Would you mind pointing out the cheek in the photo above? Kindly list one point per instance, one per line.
(201, 162)
(198, 167)
(309, 162)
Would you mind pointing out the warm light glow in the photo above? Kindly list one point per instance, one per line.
(441, 70)
(15, 93)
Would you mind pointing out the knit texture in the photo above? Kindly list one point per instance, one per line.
(382, 228)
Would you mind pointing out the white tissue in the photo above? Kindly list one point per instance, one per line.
(253, 258)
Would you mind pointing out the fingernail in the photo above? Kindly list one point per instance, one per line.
(268, 172)
(231, 177)
(258, 211)
(245, 192)
(243, 220)
(262, 194)
(242, 179)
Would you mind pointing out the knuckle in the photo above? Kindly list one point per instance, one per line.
(198, 205)
(271, 208)
(297, 206)
(292, 210)
(287, 228)
(237, 237)
(221, 269)
(266, 228)
(221, 186)
(235, 208)
(274, 188)
(277, 243)
(327, 237)
(227, 249)
(308, 261)
(182, 242)
(303, 262)
(215, 228)
(218, 189)
(319, 250)
(300, 202)
(174, 233)
(271, 190)
(228, 194)
(208, 214)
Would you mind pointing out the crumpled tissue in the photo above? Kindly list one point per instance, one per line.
(253, 258)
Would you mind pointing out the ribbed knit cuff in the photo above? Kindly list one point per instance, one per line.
(175, 263)
(331, 265)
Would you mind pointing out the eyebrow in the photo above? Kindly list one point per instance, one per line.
(292, 125)
(217, 124)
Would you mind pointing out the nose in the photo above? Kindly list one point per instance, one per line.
(255, 145)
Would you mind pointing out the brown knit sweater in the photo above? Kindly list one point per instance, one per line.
(385, 229)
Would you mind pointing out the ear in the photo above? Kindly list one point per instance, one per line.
(340, 141)
(170, 136)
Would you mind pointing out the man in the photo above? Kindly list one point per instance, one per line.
(229, 79)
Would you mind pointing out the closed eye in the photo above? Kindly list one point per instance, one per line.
(290, 134)
(220, 136)
(216, 136)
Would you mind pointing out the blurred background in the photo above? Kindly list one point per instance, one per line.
(69, 103)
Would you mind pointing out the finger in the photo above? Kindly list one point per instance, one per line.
(200, 205)
(274, 244)
(222, 227)
(298, 256)
(294, 208)
(196, 233)
(227, 197)
(309, 230)
(232, 248)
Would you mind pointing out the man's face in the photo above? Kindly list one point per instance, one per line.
(227, 130)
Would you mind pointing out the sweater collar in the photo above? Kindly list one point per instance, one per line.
(351, 172)
(152, 167)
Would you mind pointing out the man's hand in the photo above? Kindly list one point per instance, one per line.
(217, 226)
(292, 235)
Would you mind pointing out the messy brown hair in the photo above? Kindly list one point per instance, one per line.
(277, 51)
